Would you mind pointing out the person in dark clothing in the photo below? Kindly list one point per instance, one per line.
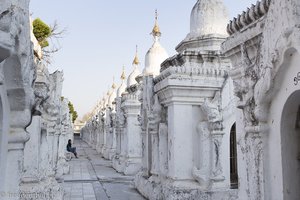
(70, 148)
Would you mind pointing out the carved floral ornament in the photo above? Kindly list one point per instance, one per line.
(41, 93)
(155, 115)
(256, 79)
(285, 45)
(119, 114)
(211, 108)
(245, 76)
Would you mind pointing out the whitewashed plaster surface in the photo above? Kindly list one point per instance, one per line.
(188, 157)
(267, 50)
(25, 111)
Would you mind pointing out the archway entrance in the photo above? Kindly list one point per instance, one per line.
(290, 137)
(233, 159)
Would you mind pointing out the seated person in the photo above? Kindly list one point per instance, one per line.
(70, 148)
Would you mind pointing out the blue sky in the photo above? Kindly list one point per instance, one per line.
(102, 35)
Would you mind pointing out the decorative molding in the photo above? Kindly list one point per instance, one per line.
(250, 16)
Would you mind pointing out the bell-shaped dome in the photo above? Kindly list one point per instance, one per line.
(154, 57)
(103, 103)
(107, 97)
(156, 54)
(122, 87)
(131, 78)
(112, 95)
(208, 17)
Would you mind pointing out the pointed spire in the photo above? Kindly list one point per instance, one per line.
(114, 84)
(156, 29)
(108, 91)
(136, 59)
(123, 76)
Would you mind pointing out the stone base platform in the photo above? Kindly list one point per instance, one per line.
(154, 188)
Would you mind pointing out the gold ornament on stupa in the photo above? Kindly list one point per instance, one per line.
(136, 59)
(108, 91)
(156, 29)
(123, 76)
(114, 86)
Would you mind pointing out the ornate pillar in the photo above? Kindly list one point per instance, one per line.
(203, 169)
(120, 137)
(210, 173)
(163, 148)
(245, 55)
(108, 134)
(113, 148)
(5, 50)
(32, 152)
(133, 140)
(16, 143)
(19, 74)
(102, 129)
(180, 141)
(146, 99)
(154, 120)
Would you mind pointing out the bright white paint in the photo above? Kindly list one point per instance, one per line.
(131, 78)
(268, 130)
(154, 57)
(208, 17)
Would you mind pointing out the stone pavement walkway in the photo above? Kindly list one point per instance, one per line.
(93, 178)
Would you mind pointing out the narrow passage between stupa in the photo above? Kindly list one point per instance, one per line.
(93, 178)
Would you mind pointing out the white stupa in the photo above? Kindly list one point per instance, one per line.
(208, 26)
(112, 95)
(103, 102)
(123, 85)
(208, 17)
(131, 78)
(107, 97)
(156, 54)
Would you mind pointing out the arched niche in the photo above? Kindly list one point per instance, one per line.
(280, 140)
(233, 158)
(19, 78)
(14, 81)
(290, 146)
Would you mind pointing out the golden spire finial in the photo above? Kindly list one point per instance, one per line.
(156, 29)
(114, 84)
(136, 59)
(123, 76)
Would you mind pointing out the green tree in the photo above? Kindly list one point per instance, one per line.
(41, 31)
(45, 33)
(72, 111)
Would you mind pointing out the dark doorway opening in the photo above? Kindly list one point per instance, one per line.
(233, 159)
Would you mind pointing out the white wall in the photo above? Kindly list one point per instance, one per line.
(4, 131)
(278, 141)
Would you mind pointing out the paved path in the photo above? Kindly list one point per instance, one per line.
(92, 178)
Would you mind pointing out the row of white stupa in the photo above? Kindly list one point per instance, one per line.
(202, 23)
(154, 57)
